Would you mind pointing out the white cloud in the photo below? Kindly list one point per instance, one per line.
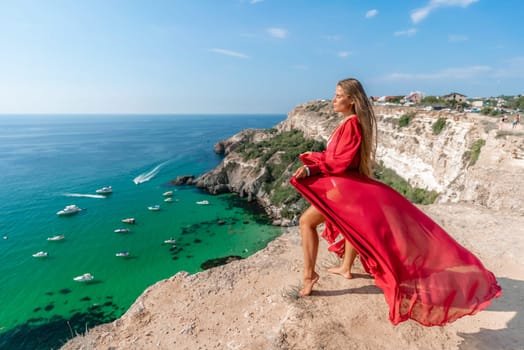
(229, 53)
(455, 38)
(277, 32)
(420, 14)
(255, 1)
(448, 73)
(408, 32)
(344, 54)
(371, 13)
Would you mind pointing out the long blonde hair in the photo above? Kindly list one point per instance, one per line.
(366, 119)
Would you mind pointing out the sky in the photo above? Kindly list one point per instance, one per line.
(250, 56)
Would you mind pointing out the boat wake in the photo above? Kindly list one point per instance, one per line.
(144, 177)
(84, 195)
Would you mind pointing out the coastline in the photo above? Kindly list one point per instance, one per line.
(252, 304)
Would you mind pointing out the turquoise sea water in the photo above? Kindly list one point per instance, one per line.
(48, 162)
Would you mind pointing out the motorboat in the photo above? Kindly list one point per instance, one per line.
(168, 199)
(56, 238)
(86, 277)
(105, 190)
(167, 194)
(155, 207)
(204, 202)
(122, 254)
(128, 220)
(40, 255)
(69, 210)
(121, 230)
(170, 241)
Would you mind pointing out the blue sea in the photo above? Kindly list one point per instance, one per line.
(50, 161)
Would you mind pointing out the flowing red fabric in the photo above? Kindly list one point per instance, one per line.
(424, 273)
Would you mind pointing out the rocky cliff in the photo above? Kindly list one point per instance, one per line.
(443, 160)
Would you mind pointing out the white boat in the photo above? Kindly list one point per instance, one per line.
(86, 277)
(56, 238)
(167, 194)
(40, 255)
(121, 230)
(155, 207)
(170, 241)
(122, 254)
(204, 202)
(69, 210)
(105, 190)
(129, 220)
(168, 199)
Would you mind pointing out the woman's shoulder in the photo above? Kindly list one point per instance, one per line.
(351, 123)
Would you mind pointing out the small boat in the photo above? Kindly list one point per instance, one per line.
(122, 254)
(69, 210)
(86, 277)
(154, 207)
(129, 220)
(56, 238)
(204, 202)
(40, 255)
(168, 199)
(122, 230)
(105, 190)
(170, 241)
(167, 194)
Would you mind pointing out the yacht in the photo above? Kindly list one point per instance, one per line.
(69, 210)
(121, 230)
(40, 255)
(86, 277)
(56, 238)
(122, 254)
(170, 241)
(129, 220)
(168, 199)
(155, 207)
(204, 202)
(167, 194)
(105, 190)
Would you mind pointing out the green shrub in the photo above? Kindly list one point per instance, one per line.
(279, 158)
(414, 194)
(405, 119)
(474, 153)
(438, 126)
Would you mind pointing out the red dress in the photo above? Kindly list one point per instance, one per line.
(425, 274)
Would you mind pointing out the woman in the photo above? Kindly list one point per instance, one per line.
(424, 273)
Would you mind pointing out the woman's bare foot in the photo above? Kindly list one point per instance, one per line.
(308, 285)
(341, 271)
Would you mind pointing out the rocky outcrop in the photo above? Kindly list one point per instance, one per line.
(183, 180)
(438, 162)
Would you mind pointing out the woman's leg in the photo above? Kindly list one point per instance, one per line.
(308, 230)
(347, 263)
